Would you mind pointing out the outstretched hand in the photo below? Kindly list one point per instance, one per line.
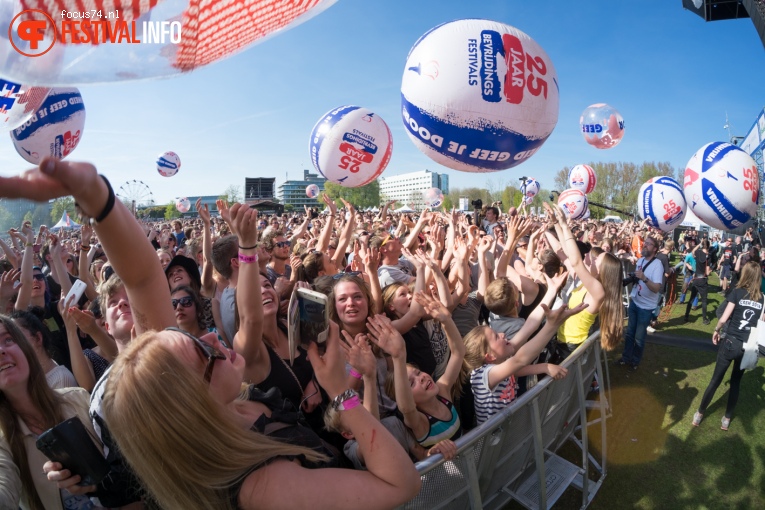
(244, 221)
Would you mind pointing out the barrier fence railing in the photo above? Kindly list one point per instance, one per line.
(512, 456)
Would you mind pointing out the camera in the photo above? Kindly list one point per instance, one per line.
(477, 203)
(631, 279)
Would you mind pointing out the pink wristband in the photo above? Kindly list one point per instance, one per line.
(247, 259)
(351, 403)
(355, 374)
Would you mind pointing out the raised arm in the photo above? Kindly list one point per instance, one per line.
(371, 264)
(592, 284)
(122, 238)
(345, 236)
(248, 340)
(529, 351)
(439, 312)
(421, 221)
(9, 255)
(385, 336)
(24, 298)
(58, 269)
(415, 313)
(208, 283)
(329, 226)
(86, 233)
(81, 366)
(484, 277)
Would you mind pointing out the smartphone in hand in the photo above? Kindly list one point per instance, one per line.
(69, 443)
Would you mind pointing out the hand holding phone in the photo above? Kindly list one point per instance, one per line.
(77, 290)
(69, 444)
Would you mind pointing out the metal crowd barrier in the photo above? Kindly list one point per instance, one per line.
(512, 456)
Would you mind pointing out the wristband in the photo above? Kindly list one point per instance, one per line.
(346, 400)
(247, 259)
(349, 403)
(248, 247)
(109, 204)
(355, 374)
(29, 245)
(85, 247)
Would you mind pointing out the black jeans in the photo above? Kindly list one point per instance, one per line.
(698, 286)
(729, 350)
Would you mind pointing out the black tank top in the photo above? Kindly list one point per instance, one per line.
(281, 375)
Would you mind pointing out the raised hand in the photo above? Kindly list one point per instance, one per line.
(329, 368)
(204, 212)
(225, 213)
(371, 259)
(432, 307)
(7, 281)
(559, 315)
(244, 221)
(330, 203)
(557, 281)
(386, 337)
(359, 354)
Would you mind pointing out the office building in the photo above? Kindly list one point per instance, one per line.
(408, 188)
(293, 192)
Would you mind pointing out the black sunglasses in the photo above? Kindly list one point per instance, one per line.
(282, 244)
(38, 276)
(185, 301)
(208, 351)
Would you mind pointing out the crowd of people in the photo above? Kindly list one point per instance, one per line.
(177, 356)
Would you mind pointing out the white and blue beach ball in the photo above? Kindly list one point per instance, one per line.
(721, 185)
(661, 202)
(478, 95)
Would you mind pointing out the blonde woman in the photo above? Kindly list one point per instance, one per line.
(172, 399)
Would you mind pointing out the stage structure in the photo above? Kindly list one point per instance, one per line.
(716, 10)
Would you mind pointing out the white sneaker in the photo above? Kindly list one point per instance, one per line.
(650, 329)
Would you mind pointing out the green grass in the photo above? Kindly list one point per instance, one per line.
(657, 459)
(672, 317)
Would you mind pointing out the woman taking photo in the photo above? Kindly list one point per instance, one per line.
(744, 309)
(172, 399)
(29, 407)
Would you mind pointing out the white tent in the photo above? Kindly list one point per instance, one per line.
(404, 209)
(66, 222)
(693, 221)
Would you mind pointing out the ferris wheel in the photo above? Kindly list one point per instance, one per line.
(135, 194)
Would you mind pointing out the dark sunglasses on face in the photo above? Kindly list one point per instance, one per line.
(282, 244)
(38, 276)
(185, 301)
(209, 352)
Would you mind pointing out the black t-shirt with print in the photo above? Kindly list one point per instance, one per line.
(727, 256)
(701, 264)
(744, 315)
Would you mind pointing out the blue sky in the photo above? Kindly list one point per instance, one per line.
(672, 76)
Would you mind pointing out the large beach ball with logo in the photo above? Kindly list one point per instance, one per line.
(602, 126)
(168, 164)
(54, 129)
(182, 204)
(574, 203)
(661, 202)
(312, 191)
(350, 146)
(582, 177)
(19, 103)
(530, 188)
(152, 38)
(433, 197)
(478, 95)
(721, 185)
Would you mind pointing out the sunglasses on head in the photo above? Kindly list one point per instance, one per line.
(185, 301)
(349, 273)
(282, 244)
(385, 241)
(209, 352)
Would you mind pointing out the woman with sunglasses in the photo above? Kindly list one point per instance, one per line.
(172, 401)
(188, 311)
